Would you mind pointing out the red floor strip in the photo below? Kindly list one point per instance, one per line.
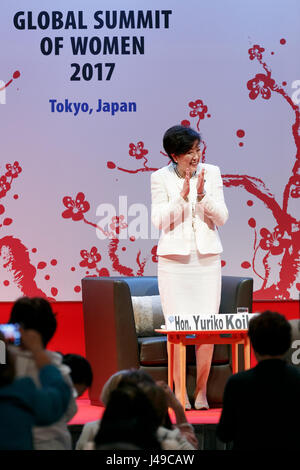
(87, 412)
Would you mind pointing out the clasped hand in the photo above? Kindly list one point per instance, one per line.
(186, 184)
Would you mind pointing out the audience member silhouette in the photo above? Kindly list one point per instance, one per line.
(178, 437)
(130, 418)
(22, 403)
(81, 372)
(261, 406)
(36, 314)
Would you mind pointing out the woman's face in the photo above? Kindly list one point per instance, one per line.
(189, 160)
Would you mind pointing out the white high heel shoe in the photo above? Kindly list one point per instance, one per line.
(201, 402)
(187, 406)
(201, 405)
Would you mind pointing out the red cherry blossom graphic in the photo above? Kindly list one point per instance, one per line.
(198, 110)
(137, 151)
(75, 208)
(255, 52)
(154, 254)
(13, 253)
(4, 186)
(90, 259)
(281, 241)
(294, 186)
(13, 170)
(273, 241)
(6, 182)
(260, 84)
(117, 224)
(284, 239)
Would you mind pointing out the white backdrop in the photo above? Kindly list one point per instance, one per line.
(226, 68)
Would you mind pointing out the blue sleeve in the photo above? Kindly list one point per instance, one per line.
(51, 400)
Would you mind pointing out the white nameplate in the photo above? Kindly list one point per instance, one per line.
(219, 322)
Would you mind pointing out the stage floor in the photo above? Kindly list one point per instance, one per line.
(87, 412)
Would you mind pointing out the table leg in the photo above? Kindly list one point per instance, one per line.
(234, 349)
(182, 356)
(170, 347)
(247, 352)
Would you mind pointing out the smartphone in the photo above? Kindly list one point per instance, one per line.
(11, 333)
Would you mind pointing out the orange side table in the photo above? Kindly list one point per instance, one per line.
(185, 338)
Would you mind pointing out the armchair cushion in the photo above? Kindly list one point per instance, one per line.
(148, 314)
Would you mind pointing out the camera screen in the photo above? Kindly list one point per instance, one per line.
(11, 333)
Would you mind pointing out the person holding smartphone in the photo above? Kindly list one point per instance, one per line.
(36, 313)
(24, 405)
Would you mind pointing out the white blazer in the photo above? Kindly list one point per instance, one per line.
(180, 220)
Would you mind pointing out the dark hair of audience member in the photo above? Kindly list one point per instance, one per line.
(35, 313)
(155, 393)
(81, 371)
(129, 417)
(270, 334)
(7, 370)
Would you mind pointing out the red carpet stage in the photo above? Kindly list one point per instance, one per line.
(87, 412)
(204, 422)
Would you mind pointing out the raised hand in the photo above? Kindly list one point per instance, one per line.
(31, 340)
(186, 184)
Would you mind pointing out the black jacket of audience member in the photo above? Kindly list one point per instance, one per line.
(261, 407)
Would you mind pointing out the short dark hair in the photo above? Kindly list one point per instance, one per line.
(35, 313)
(81, 371)
(270, 334)
(179, 140)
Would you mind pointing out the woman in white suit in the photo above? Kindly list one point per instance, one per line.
(188, 206)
